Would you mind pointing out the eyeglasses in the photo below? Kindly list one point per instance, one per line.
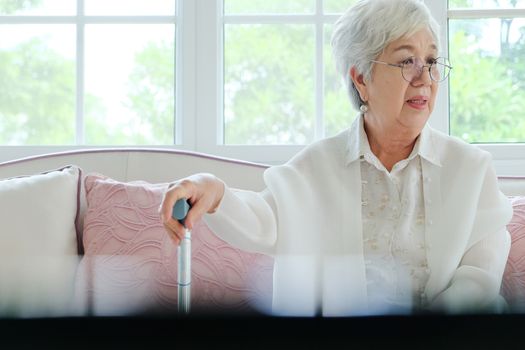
(413, 67)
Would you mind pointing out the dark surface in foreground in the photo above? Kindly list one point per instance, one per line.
(263, 332)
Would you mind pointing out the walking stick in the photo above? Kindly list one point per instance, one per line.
(180, 210)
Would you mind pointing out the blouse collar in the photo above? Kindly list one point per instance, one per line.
(358, 145)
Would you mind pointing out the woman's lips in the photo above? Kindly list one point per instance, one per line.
(418, 103)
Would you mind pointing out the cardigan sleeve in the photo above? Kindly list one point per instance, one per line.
(476, 282)
(246, 219)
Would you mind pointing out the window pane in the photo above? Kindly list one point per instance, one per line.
(337, 6)
(129, 83)
(488, 80)
(38, 7)
(268, 6)
(486, 4)
(130, 7)
(269, 84)
(37, 84)
(338, 111)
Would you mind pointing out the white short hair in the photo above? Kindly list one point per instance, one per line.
(363, 32)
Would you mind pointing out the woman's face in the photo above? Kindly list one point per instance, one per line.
(393, 101)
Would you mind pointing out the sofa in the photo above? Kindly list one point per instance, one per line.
(81, 236)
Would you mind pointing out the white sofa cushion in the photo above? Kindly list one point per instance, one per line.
(38, 243)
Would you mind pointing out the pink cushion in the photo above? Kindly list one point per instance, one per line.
(513, 284)
(130, 262)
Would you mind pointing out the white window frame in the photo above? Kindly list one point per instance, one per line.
(509, 159)
(79, 20)
(210, 79)
(199, 85)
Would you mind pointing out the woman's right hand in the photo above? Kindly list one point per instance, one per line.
(203, 191)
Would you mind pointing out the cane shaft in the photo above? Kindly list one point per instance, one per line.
(184, 273)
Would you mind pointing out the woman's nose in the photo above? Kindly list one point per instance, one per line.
(423, 78)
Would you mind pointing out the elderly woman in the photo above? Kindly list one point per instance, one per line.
(389, 216)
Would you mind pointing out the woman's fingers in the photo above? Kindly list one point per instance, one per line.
(198, 209)
(203, 191)
(176, 191)
(176, 227)
(212, 190)
(172, 234)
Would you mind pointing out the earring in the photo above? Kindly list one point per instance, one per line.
(363, 108)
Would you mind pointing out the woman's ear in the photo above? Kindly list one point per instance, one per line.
(359, 83)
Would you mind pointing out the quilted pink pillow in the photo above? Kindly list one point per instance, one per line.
(513, 284)
(130, 262)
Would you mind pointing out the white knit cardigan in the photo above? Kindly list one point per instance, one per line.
(309, 219)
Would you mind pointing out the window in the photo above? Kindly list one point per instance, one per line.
(487, 94)
(87, 72)
(471, 107)
(487, 87)
(277, 85)
(252, 80)
(280, 86)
